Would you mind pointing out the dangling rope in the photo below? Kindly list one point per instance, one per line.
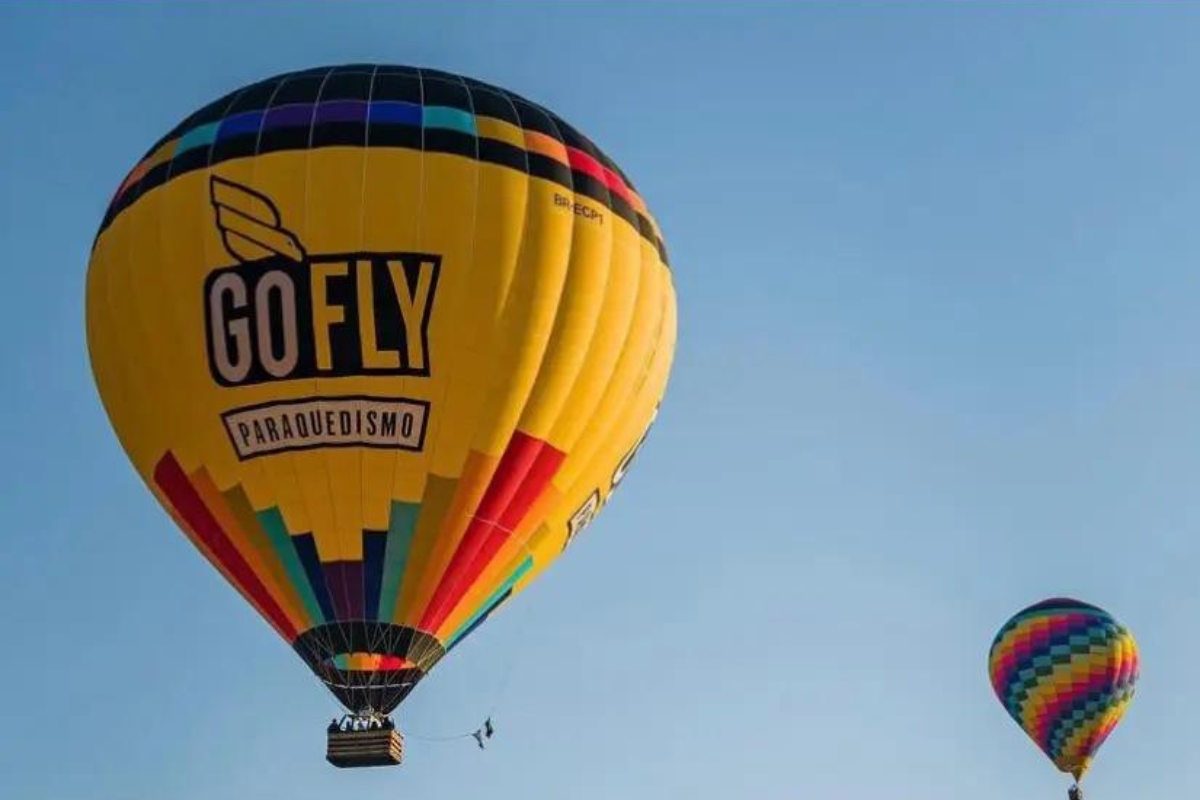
(486, 729)
(438, 738)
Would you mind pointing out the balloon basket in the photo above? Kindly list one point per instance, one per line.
(369, 748)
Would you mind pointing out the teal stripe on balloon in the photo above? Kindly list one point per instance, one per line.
(454, 119)
(401, 525)
(272, 522)
(491, 601)
(198, 137)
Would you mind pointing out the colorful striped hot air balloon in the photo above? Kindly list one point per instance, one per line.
(1065, 671)
(382, 341)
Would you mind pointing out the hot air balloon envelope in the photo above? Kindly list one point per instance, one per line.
(382, 341)
(1065, 671)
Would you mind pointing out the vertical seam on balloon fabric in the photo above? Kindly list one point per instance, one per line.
(470, 269)
(289, 463)
(341, 558)
(362, 500)
(435, 438)
(422, 506)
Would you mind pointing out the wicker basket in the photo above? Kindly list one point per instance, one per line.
(370, 748)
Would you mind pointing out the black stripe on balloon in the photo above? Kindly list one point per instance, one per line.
(339, 134)
(241, 146)
(279, 140)
(535, 119)
(451, 94)
(306, 550)
(303, 90)
(403, 137)
(494, 151)
(441, 140)
(436, 140)
(541, 166)
(158, 175)
(390, 87)
(374, 547)
(192, 160)
(347, 85)
(255, 97)
(496, 106)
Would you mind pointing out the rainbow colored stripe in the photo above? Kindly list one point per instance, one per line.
(284, 578)
(382, 106)
(1066, 672)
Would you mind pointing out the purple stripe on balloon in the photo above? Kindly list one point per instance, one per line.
(345, 582)
(240, 124)
(342, 111)
(290, 116)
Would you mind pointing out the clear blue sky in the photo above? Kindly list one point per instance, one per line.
(939, 280)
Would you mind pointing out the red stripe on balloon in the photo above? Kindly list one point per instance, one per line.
(540, 474)
(534, 485)
(522, 475)
(582, 162)
(174, 483)
(518, 459)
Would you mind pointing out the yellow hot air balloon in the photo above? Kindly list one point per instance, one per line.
(381, 340)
